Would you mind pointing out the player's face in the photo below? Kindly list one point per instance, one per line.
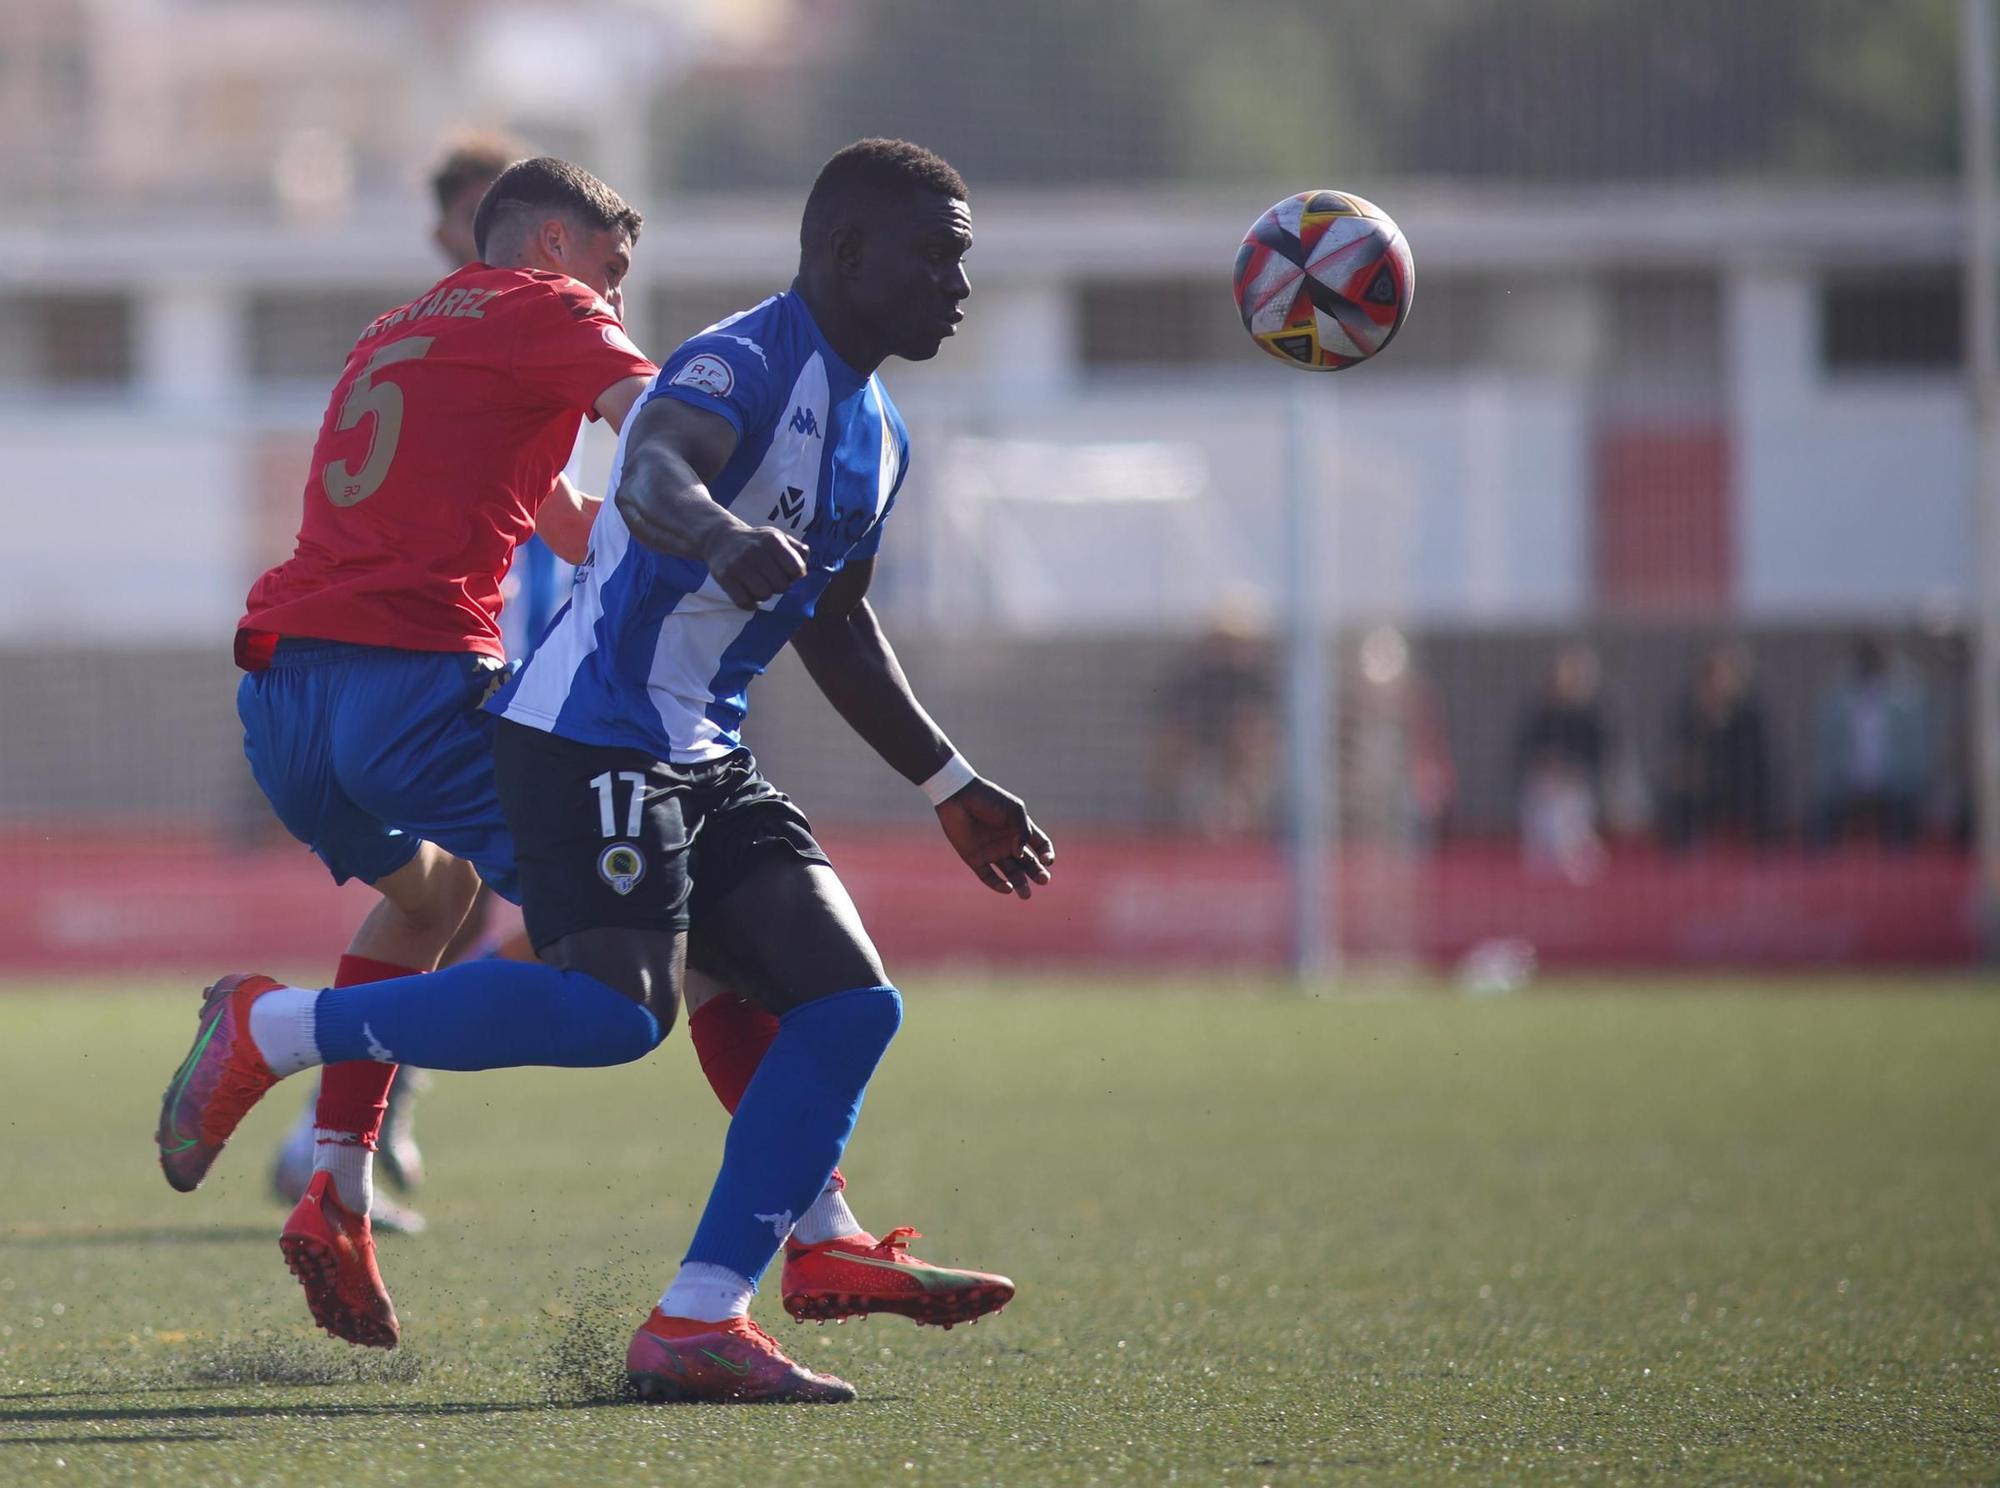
(600, 258)
(454, 229)
(913, 277)
(596, 257)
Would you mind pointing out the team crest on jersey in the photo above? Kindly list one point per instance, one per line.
(617, 340)
(706, 374)
(622, 866)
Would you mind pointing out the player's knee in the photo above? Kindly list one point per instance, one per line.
(601, 1026)
(642, 967)
(886, 1012)
(433, 892)
(869, 1016)
(664, 1002)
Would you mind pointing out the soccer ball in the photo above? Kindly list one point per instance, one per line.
(1324, 280)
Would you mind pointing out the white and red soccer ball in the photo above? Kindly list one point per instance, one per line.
(1324, 280)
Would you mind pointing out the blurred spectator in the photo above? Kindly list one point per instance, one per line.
(1397, 782)
(1718, 774)
(1560, 765)
(1215, 746)
(470, 163)
(1873, 767)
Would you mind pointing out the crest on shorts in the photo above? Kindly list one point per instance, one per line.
(622, 866)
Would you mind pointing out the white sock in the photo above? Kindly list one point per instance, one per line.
(352, 1166)
(281, 1026)
(829, 1218)
(709, 1294)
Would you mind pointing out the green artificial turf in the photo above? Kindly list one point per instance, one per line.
(1598, 1233)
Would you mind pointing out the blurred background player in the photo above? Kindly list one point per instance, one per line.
(1213, 766)
(1873, 765)
(1561, 762)
(1719, 775)
(532, 590)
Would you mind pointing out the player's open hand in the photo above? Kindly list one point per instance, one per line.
(753, 563)
(993, 833)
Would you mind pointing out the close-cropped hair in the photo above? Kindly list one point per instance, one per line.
(870, 171)
(546, 184)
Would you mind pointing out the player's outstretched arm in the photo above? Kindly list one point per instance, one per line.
(673, 452)
(851, 661)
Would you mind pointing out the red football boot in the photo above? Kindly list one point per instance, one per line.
(729, 1363)
(330, 1250)
(857, 1275)
(222, 1077)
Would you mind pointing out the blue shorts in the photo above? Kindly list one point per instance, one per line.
(363, 751)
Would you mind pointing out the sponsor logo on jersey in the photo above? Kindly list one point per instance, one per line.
(617, 340)
(706, 374)
(789, 506)
(803, 422)
(622, 866)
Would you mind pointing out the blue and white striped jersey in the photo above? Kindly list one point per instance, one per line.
(650, 653)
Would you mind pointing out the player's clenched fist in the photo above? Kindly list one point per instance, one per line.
(753, 563)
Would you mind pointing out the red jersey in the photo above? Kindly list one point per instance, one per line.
(446, 431)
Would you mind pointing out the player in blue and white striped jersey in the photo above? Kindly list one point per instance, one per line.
(653, 653)
(746, 512)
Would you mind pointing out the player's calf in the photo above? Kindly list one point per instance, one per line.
(485, 1015)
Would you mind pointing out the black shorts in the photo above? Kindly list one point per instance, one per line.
(613, 838)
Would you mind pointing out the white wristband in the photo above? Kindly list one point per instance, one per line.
(952, 777)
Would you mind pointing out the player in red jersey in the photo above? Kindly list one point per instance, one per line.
(370, 649)
(457, 184)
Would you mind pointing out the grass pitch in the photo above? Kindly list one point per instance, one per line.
(1727, 1234)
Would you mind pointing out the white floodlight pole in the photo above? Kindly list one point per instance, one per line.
(1309, 699)
(1982, 354)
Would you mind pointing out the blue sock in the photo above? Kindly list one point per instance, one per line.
(484, 1015)
(792, 1125)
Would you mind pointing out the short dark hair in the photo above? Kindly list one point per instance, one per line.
(548, 184)
(472, 160)
(866, 172)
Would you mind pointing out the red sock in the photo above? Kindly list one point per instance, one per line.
(353, 1096)
(730, 1036)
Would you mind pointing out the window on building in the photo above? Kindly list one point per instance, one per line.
(1891, 320)
(1449, 327)
(66, 340)
(1663, 340)
(304, 333)
(1158, 323)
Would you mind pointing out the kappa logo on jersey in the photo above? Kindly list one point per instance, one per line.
(789, 506)
(804, 423)
(622, 866)
(705, 374)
